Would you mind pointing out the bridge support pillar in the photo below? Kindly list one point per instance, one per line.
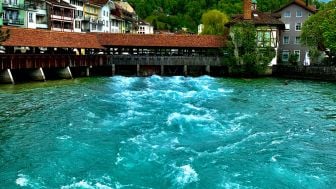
(64, 73)
(162, 70)
(207, 69)
(87, 72)
(113, 69)
(6, 76)
(185, 70)
(37, 75)
(138, 69)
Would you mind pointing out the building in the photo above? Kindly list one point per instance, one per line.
(13, 12)
(36, 14)
(128, 16)
(79, 15)
(1, 14)
(92, 22)
(61, 15)
(294, 15)
(145, 28)
(268, 25)
(107, 6)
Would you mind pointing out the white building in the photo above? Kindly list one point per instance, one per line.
(79, 16)
(105, 16)
(145, 28)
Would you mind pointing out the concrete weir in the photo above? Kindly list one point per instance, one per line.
(6, 76)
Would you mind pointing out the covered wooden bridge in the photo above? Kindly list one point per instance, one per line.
(42, 54)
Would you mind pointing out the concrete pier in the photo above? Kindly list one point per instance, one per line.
(37, 75)
(113, 69)
(185, 70)
(87, 72)
(207, 69)
(138, 69)
(6, 76)
(64, 73)
(162, 69)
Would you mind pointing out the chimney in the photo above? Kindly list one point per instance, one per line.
(247, 10)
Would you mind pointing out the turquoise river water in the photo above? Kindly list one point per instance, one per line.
(168, 132)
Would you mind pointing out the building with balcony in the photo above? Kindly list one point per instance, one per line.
(61, 15)
(126, 13)
(36, 14)
(1, 13)
(79, 14)
(13, 12)
(92, 21)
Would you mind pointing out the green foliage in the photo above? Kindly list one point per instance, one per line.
(293, 59)
(318, 31)
(243, 55)
(214, 22)
(175, 14)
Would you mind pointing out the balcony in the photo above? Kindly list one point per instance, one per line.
(42, 25)
(61, 17)
(12, 5)
(18, 21)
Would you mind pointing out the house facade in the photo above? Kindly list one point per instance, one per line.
(293, 15)
(36, 14)
(145, 28)
(1, 13)
(92, 21)
(61, 16)
(13, 12)
(79, 14)
(268, 26)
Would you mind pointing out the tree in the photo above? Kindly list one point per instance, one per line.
(318, 32)
(214, 22)
(249, 59)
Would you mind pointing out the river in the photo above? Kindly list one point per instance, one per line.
(168, 132)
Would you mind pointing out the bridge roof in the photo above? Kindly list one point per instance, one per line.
(161, 40)
(20, 37)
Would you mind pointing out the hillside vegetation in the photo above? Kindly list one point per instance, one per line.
(176, 14)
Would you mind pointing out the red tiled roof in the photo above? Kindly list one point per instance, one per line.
(259, 19)
(44, 38)
(161, 40)
(98, 2)
(300, 3)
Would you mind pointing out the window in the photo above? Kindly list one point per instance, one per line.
(77, 24)
(298, 53)
(298, 27)
(298, 13)
(297, 40)
(285, 56)
(286, 40)
(287, 14)
(30, 15)
(287, 27)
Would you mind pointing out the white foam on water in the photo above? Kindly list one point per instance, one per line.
(81, 184)
(22, 180)
(119, 159)
(186, 175)
(273, 158)
(190, 106)
(221, 90)
(102, 186)
(178, 117)
(64, 137)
